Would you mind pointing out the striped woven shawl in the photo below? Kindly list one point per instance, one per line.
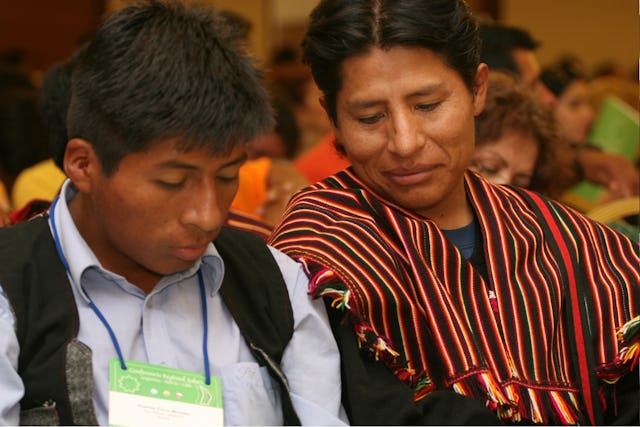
(419, 307)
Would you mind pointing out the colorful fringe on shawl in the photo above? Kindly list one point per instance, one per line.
(411, 297)
(628, 355)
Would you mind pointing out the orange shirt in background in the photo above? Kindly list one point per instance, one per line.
(252, 189)
(321, 161)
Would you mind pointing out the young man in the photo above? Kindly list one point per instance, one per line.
(118, 299)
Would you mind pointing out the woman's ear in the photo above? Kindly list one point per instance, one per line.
(81, 163)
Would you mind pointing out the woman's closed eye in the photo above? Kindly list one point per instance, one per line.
(485, 169)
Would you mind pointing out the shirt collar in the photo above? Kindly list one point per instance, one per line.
(80, 258)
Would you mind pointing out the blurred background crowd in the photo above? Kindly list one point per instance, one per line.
(581, 93)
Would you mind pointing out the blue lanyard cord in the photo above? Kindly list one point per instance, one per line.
(104, 321)
(56, 238)
(205, 333)
(114, 340)
(95, 309)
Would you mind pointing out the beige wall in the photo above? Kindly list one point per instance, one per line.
(594, 30)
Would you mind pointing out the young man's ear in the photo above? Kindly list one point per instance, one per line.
(80, 163)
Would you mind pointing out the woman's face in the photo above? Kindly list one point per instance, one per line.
(510, 159)
(406, 121)
(574, 113)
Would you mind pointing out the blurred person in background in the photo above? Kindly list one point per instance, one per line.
(292, 81)
(43, 180)
(516, 142)
(573, 111)
(23, 140)
(513, 49)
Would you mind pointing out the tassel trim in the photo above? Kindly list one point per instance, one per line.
(626, 360)
(326, 284)
(482, 386)
(515, 402)
(512, 402)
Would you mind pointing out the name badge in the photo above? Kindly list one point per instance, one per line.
(145, 394)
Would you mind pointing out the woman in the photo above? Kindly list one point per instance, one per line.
(439, 280)
(573, 111)
(516, 142)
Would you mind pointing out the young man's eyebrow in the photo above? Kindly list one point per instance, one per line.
(177, 164)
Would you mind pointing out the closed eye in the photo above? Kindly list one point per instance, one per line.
(370, 119)
(170, 185)
(227, 179)
(484, 169)
(427, 107)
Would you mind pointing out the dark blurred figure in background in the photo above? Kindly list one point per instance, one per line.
(513, 49)
(284, 141)
(42, 181)
(22, 138)
(292, 80)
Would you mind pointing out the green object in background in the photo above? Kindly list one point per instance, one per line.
(616, 130)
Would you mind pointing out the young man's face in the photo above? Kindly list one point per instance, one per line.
(406, 121)
(158, 211)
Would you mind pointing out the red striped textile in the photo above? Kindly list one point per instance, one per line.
(419, 307)
(246, 222)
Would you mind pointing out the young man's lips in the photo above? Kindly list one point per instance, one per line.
(190, 253)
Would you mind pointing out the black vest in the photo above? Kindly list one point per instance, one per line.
(41, 297)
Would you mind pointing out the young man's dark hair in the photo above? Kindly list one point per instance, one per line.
(445, 26)
(210, 98)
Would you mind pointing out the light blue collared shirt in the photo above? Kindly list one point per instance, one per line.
(165, 328)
